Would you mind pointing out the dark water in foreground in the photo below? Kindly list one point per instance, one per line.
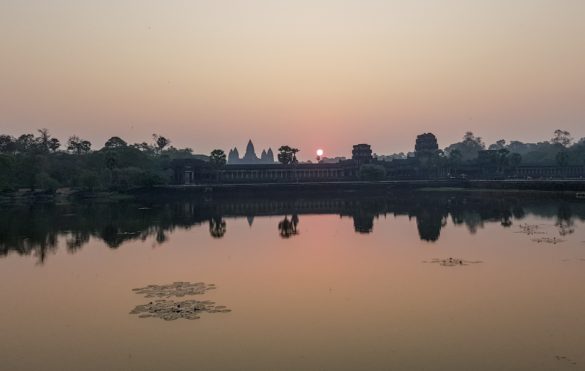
(325, 283)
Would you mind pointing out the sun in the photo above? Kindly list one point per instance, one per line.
(320, 152)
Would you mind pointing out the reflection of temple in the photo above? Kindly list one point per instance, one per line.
(38, 230)
(429, 223)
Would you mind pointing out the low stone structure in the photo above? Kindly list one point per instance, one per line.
(187, 171)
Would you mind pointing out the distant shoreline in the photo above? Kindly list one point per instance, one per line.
(549, 185)
(567, 187)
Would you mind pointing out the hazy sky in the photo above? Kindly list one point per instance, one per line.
(318, 73)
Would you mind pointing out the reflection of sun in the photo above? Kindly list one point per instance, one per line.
(319, 152)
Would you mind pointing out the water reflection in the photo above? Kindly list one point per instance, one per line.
(288, 228)
(217, 227)
(36, 230)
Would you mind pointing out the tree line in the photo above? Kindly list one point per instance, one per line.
(560, 150)
(42, 162)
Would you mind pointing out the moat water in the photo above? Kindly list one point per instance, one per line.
(414, 281)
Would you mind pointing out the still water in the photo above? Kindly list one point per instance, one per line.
(313, 283)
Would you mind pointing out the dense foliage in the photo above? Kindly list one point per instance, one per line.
(36, 162)
(560, 150)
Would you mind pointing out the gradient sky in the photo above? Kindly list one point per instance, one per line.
(319, 73)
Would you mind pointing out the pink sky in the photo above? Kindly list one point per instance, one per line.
(321, 73)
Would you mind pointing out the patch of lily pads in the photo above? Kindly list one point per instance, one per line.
(530, 229)
(178, 289)
(170, 310)
(550, 240)
(453, 262)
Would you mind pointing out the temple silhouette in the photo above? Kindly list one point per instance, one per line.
(250, 157)
(427, 162)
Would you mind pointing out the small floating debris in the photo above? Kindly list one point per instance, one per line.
(529, 229)
(549, 240)
(177, 289)
(453, 262)
(170, 310)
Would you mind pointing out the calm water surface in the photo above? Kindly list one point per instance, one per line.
(324, 283)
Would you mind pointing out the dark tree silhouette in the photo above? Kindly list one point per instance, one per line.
(562, 137)
(160, 142)
(54, 144)
(115, 142)
(77, 145)
(217, 158)
(287, 155)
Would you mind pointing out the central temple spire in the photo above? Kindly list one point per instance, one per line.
(250, 157)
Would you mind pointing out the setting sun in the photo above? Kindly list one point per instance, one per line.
(319, 152)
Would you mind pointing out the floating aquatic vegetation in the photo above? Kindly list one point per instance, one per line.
(178, 289)
(171, 310)
(550, 240)
(565, 228)
(452, 262)
(565, 359)
(529, 229)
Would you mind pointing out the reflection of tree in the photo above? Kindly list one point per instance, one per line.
(506, 219)
(217, 227)
(161, 236)
(76, 240)
(565, 222)
(39, 230)
(288, 228)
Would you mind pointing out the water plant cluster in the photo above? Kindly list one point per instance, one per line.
(170, 310)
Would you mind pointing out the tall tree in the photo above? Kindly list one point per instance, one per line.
(25, 143)
(287, 155)
(115, 142)
(44, 139)
(77, 145)
(54, 144)
(217, 158)
(468, 147)
(160, 142)
(562, 137)
(7, 144)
